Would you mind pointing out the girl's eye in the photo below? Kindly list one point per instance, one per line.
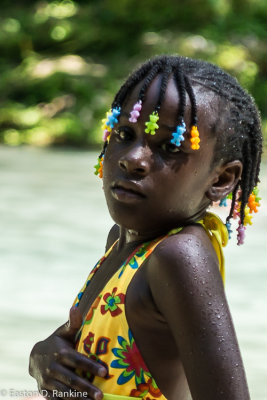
(123, 134)
(170, 147)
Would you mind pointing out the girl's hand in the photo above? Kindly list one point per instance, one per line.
(53, 363)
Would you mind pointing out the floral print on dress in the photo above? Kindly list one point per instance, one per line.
(133, 366)
(112, 301)
(89, 316)
(144, 389)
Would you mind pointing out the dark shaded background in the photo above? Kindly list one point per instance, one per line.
(62, 61)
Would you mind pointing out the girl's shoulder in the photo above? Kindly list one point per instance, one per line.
(183, 259)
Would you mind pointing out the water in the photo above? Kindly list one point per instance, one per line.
(53, 229)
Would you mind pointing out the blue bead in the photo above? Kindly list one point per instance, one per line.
(228, 226)
(223, 202)
(178, 136)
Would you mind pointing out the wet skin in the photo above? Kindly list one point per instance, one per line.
(175, 304)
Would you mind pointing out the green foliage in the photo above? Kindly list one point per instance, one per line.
(62, 61)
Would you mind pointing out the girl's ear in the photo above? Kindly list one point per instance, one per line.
(225, 181)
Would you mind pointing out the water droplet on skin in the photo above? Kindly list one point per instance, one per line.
(218, 316)
(237, 365)
(209, 303)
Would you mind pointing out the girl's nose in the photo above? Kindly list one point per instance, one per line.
(136, 162)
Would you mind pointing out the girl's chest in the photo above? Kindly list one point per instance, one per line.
(101, 278)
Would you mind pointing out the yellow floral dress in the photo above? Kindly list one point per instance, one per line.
(105, 335)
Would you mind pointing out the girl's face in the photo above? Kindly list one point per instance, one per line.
(150, 185)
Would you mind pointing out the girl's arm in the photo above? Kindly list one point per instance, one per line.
(187, 288)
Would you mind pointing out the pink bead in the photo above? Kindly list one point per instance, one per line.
(138, 106)
(106, 134)
(241, 234)
(135, 113)
(134, 116)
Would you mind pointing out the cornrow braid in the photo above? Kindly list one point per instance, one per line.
(128, 86)
(153, 73)
(180, 84)
(192, 97)
(163, 85)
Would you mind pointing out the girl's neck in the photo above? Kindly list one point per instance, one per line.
(129, 236)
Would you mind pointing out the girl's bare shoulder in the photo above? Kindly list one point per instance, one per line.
(186, 261)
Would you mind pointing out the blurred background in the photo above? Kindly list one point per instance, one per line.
(60, 64)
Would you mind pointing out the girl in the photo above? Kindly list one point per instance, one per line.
(152, 320)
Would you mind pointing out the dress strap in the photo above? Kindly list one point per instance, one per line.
(218, 235)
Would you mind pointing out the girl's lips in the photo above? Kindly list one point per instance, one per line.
(127, 191)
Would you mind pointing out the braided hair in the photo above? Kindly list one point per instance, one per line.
(238, 127)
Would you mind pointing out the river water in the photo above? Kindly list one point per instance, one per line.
(53, 228)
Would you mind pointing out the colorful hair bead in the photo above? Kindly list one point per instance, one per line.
(178, 136)
(113, 117)
(105, 125)
(99, 167)
(135, 113)
(194, 138)
(236, 211)
(223, 202)
(247, 216)
(228, 227)
(252, 203)
(152, 125)
(241, 234)
(106, 135)
(256, 192)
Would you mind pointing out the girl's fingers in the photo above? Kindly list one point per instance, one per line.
(64, 380)
(73, 359)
